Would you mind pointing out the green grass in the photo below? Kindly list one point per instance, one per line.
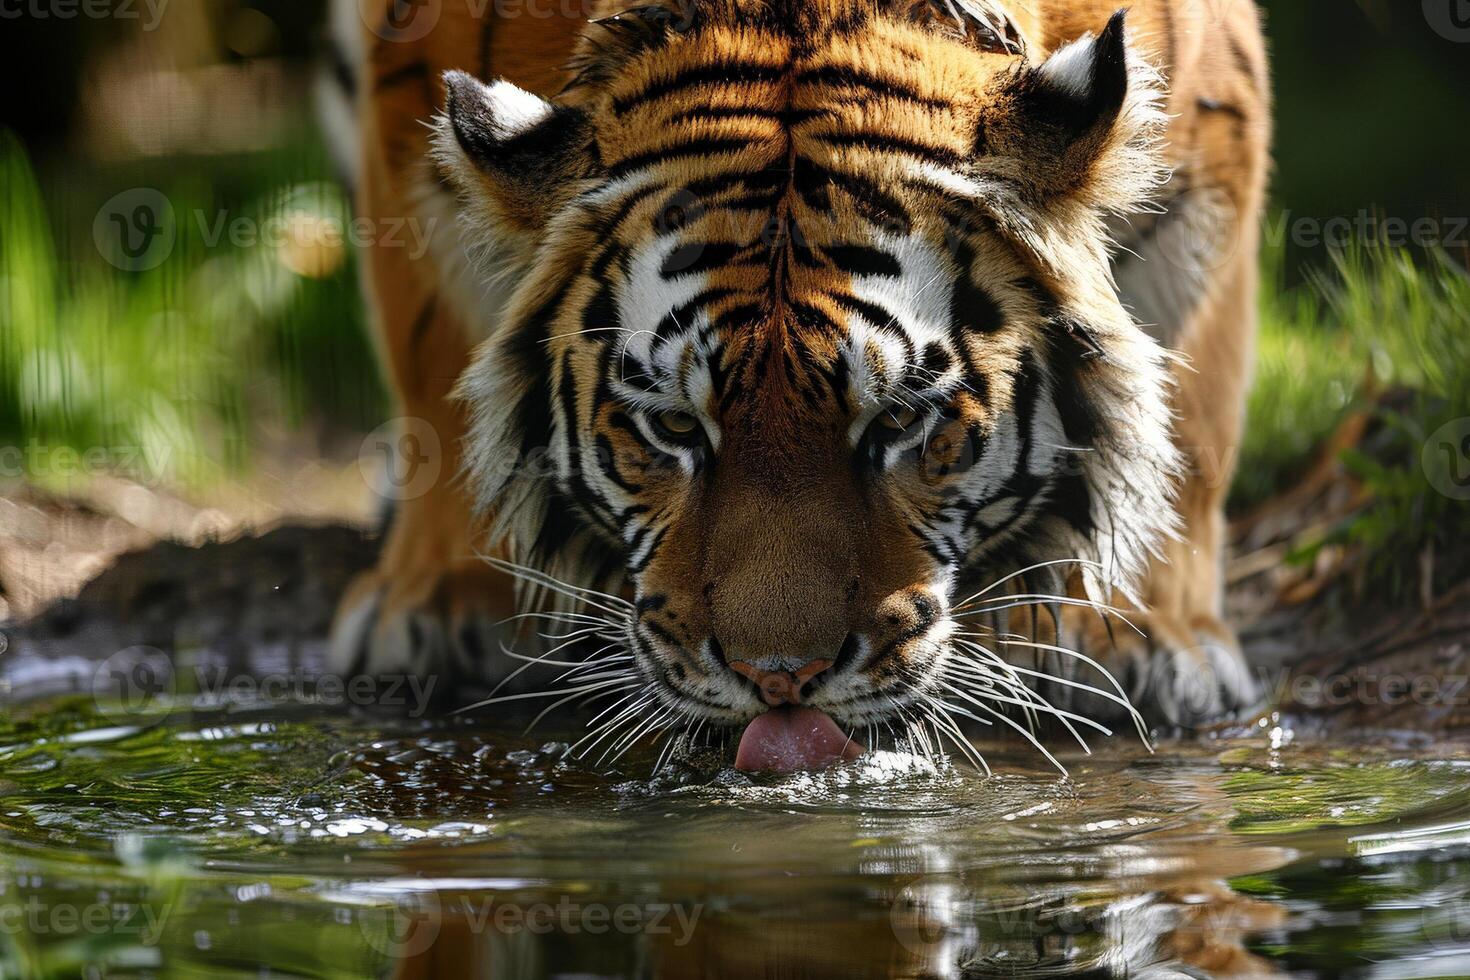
(1383, 320)
(1307, 377)
(173, 372)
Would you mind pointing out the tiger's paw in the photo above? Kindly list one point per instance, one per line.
(443, 628)
(1176, 674)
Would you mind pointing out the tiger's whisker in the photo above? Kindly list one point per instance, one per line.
(1023, 571)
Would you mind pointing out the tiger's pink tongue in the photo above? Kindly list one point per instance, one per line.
(793, 739)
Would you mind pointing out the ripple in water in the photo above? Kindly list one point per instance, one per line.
(278, 839)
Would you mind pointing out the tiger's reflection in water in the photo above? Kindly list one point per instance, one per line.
(1151, 912)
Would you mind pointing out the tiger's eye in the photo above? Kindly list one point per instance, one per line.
(678, 423)
(899, 418)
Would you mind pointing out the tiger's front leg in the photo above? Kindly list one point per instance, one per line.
(1177, 658)
(430, 608)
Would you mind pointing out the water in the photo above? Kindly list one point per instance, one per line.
(280, 839)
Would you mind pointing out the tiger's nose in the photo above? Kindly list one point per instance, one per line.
(779, 687)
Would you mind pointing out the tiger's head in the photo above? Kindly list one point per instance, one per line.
(811, 333)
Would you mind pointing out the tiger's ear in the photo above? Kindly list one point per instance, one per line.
(1086, 124)
(512, 156)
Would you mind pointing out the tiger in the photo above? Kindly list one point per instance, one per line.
(838, 359)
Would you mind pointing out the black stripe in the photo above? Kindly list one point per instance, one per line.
(610, 222)
(784, 116)
(1071, 500)
(695, 258)
(876, 204)
(676, 151)
(679, 319)
(607, 462)
(863, 260)
(588, 499)
(1023, 408)
(610, 253)
(877, 316)
(728, 74)
(424, 320)
(636, 568)
(1244, 63)
(971, 307)
(934, 361)
(411, 72)
(886, 143)
(602, 311)
(344, 72)
(532, 414)
(844, 76)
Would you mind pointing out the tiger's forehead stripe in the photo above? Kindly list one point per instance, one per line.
(776, 176)
(779, 236)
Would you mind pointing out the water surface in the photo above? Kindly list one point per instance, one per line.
(283, 839)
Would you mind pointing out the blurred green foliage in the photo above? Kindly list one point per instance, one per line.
(1381, 331)
(1414, 322)
(175, 371)
(1370, 113)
